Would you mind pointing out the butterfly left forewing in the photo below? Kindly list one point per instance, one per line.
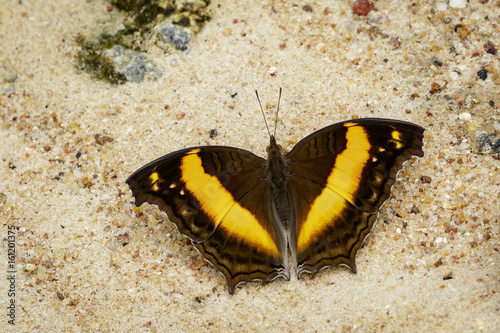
(216, 197)
(341, 175)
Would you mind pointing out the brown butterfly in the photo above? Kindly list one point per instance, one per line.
(319, 201)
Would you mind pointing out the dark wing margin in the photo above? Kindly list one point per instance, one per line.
(216, 197)
(341, 175)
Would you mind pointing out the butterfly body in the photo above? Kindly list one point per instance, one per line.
(246, 214)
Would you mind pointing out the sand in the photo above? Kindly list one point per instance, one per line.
(87, 260)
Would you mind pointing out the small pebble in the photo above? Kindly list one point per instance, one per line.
(363, 7)
(29, 268)
(466, 116)
(441, 6)
(307, 8)
(458, 3)
(476, 16)
(482, 74)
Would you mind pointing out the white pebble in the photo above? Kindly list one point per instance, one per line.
(475, 16)
(484, 61)
(440, 240)
(78, 174)
(458, 3)
(466, 116)
(29, 267)
(454, 76)
(441, 6)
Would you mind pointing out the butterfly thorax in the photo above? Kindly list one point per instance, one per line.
(277, 173)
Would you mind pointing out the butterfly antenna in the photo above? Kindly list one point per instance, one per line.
(277, 112)
(263, 115)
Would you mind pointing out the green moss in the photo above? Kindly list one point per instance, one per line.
(92, 59)
(126, 5)
(143, 17)
(145, 12)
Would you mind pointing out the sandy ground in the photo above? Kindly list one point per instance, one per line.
(87, 260)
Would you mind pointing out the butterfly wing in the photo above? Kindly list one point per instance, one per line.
(216, 197)
(341, 175)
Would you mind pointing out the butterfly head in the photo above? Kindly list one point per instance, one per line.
(275, 147)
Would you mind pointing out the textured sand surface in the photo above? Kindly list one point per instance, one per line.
(87, 260)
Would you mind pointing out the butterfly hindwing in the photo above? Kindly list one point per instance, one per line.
(216, 197)
(342, 174)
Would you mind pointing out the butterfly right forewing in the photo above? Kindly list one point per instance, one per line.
(341, 176)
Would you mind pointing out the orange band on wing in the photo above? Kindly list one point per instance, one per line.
(220, 205)
(341, 186)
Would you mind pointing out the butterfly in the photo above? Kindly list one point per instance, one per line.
(317, 203)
